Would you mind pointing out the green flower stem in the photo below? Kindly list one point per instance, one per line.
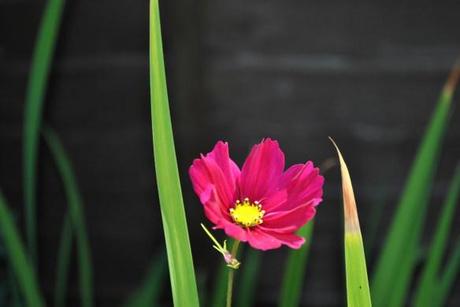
(231, 275)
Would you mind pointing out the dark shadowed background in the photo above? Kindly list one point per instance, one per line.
(366, 73)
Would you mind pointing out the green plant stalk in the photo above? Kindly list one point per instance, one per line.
(17, 257)
(448, 276)
(148, 294)
(247, 282)
(76, 214)
(231, 275)
(182, 274)
(402, 235)
(358, 293)
(63, 262)
(35, 93)
(425, 295)
(294, 271)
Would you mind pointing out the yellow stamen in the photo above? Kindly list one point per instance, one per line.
(247, 213)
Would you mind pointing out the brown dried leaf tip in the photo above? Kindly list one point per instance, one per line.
(349, 203)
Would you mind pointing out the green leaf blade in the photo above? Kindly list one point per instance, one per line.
(247, 279)
(403, 237)
(149, 293)
(358, 293)
(17, 257)
(63, 262)
(294, 271)
(181, 270)
(448, 277)
(75, 204)
(425, 295)
(35, 95)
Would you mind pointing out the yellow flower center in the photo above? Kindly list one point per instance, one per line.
(247, 213)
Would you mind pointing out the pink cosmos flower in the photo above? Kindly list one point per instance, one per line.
(260, 204)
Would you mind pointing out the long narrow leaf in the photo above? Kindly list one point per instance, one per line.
(148, 294)
(63, 262)
(247, 279)
(425, 296)
(294, 271)
(75, 209)
(403, 236)
(35, 93)
(448, 277)
(17, 257)
(181, 270)
(220, 287)
(358, 293)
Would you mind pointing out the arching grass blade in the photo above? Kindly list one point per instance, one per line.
(17, 257)
(220, 286)
(403, 236)
(448, 277)
(35, 94)
(76, 213)
(358, 294)
(247, 279)
(148, 294)
(181, 270)
(294, 270)
(63, 262)
(428, 282)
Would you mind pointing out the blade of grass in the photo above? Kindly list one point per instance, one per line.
(35, 93)
(294, 271)
(448, 276)
(358, 293)
(63, 262)
(75, 209)
(403, 237)
(247, 281)
(148, 294)
(181, 270)
(220, 287)
(429, 279)
(17, 257)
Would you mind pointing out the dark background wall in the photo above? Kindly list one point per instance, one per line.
(366, 73)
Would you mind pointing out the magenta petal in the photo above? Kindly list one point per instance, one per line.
(212, 208)
(233, 230)
(288, 239)
(288, 221)
(290, 174)
(221, 155)
(218, 170)
(303, 184)
(262, 170)
(277, 199)
(258, 239)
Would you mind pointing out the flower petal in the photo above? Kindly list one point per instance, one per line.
(233, 230)
(212, 208)
(289, 221)
(218, 170)
(266, 240)
(262, 170)
(274, 200)
(288, 239)
(259, 239)
(303, 184)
